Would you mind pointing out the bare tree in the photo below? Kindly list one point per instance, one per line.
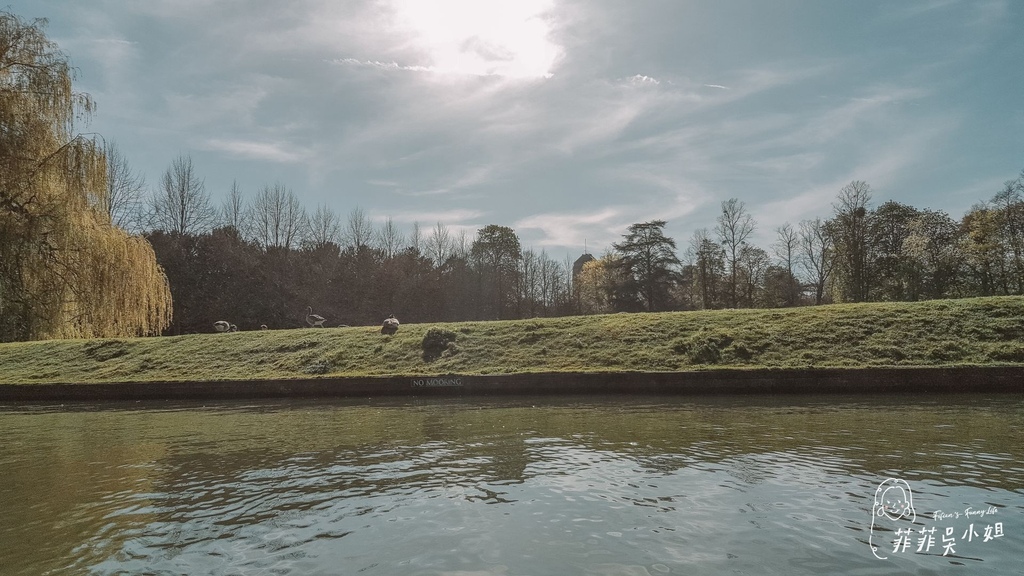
(786, 248)
(461, 246)
(439, 246)
(125, 188)
(416, 238)
(551, 279)
(181, 205)
(278, 219)
(324, 227)
(529, 285)
(735, 225)
(358, 230)
(754, 263)
(851, 226)
(708, 261)
(1009, 211)
(816, 255)
(234, 212)
(389, 238)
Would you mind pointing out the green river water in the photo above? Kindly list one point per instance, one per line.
(512, 486)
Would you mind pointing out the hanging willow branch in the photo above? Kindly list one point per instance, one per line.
(65, 271)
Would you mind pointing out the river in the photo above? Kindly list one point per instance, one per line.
(514, 486)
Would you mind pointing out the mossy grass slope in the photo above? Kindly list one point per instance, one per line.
(976, 331)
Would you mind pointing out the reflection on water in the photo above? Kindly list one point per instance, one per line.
(643, 486)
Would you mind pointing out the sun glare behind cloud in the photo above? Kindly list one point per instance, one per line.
(481, 37)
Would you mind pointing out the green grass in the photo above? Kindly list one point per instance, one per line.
(977, 331)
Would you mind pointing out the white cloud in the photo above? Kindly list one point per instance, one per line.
(674, 193)
(881, 168)
(599, 125)
(909, 10)
(641, 80)
(447, 217)
(113, 51)
(474, 37)
(382, 65)
(254, 150)
(990, 13)
(475, 176)
(979, 13)
(573, 229)
(217, 105)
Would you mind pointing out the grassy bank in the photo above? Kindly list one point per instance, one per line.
(978, 331)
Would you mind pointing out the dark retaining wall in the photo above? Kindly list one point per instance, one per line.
(765, 381)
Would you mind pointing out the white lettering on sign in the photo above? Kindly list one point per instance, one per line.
(437, 383)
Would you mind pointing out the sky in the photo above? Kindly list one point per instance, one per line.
(567, 120)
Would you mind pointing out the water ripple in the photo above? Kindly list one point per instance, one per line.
(578, 488)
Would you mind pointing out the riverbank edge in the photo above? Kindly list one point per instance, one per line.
(910, 380)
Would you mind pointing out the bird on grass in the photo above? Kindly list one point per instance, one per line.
(390, 325)
(314, 320)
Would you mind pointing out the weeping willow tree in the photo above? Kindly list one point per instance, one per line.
(65, 270)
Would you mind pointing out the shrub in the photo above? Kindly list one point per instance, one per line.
(435, 342)
(450, 350)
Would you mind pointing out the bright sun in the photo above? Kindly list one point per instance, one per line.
(481, 37)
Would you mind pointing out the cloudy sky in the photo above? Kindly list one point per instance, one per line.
(564, 119)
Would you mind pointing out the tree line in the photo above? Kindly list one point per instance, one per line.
(262, 260)
(356, 275)
(863, 253)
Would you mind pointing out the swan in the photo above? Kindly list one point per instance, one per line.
(314, 320)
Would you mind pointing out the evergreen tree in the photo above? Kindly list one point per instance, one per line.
(650, 263)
